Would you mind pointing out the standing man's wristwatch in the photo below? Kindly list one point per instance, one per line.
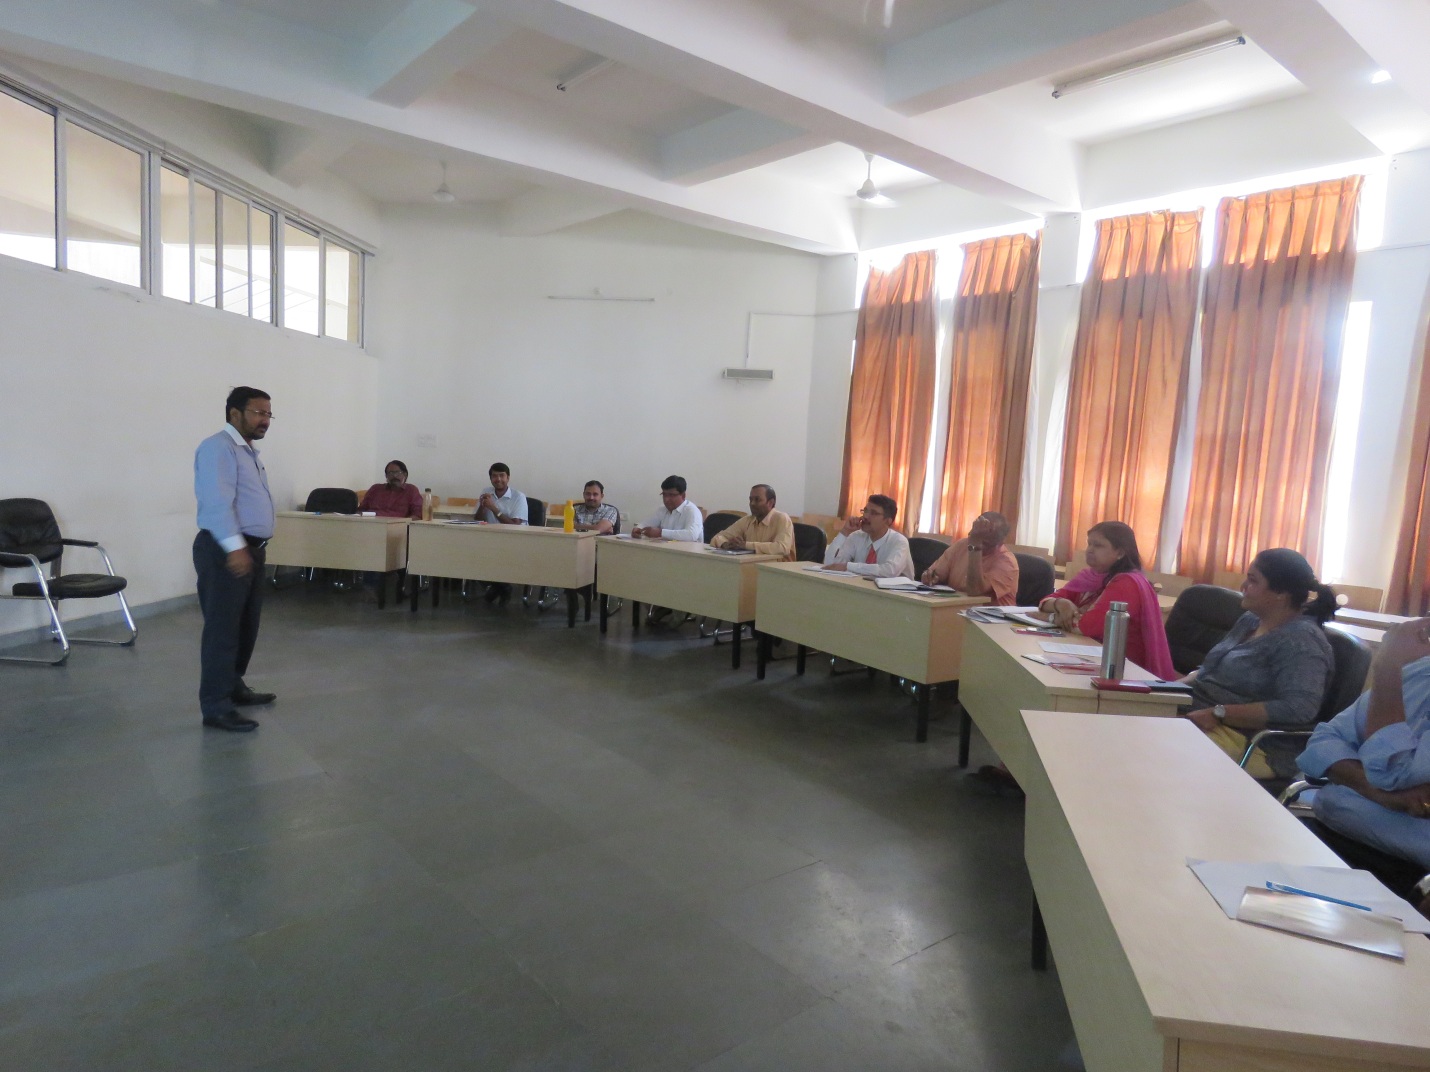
(1220, 712)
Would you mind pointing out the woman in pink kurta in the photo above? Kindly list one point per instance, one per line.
(1114, 575)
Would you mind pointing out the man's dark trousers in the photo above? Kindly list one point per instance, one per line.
(231, 607)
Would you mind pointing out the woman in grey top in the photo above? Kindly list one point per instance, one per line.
(1273, 668)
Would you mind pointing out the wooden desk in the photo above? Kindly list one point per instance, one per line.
(1157, 978)
(454, 513)
(1372, 619)
(919, 638)
(508, 554)
(683, 576)
(1369, 634)
(340, 542)
(997, 682)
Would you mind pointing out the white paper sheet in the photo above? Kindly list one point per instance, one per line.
(1226, 881)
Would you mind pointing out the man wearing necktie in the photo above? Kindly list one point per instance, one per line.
(235, 516)
(869, 546)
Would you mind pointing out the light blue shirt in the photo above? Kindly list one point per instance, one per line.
(1394, 757)
(231, 487)
(511, 502)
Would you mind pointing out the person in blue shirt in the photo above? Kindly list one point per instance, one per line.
(235, 517)
(1376, 752)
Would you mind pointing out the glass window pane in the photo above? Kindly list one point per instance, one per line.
(262, 264)
(27, 182)
(103, 198)
(235, 255)
(205, 245)
(174, 234)
(300, 279)
(341, 293)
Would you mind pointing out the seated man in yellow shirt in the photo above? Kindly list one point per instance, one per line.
(980, 564)
(764, 530)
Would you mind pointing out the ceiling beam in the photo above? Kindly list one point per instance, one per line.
(423, 47)
(742, 52)
(737, 141)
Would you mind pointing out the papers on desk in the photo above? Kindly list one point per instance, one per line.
(1227, 881)
(1325, 921)
(991, 615)
(729, 550)
(908, 584)
(1081, 651)
(818, 567)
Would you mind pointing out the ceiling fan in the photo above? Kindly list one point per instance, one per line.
(868, 192)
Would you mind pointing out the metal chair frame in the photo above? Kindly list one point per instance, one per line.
(10, 560)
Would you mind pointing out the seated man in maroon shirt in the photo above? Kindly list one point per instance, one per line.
(396, 498)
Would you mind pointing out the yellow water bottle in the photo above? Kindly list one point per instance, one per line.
(568, 517)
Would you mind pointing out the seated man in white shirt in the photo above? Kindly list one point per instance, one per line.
(501, 504)
(679, 519)
(869, 546)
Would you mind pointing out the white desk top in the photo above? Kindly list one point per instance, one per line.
(1142, 795)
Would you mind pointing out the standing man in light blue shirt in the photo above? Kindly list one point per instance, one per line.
(235, 524)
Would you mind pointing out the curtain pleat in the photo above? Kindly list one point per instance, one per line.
(1274, 318)
(994, 317)
(886, 438)
(1409, 591)
(1129, 376)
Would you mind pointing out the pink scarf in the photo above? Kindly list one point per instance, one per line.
(1145, 614)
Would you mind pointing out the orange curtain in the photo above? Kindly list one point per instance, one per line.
(1409, 591)
(1129, 376)
(993, 320)
(1275, 313)
(886, 438)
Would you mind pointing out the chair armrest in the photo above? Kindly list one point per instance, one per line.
(10, 560)
(1261, 735)
(79, 543)
(1296, 788)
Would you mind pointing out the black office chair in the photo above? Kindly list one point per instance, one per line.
(331, 501)
(809, 542)
(30, 539)
(1035, 579)
(535, 512)
(925, 551)
(1201, 616)
(718, 522)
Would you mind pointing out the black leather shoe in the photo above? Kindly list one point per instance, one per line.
(231, 721)
(246, 697)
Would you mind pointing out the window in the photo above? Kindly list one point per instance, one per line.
(27, 182)
(300, 279)
(104, 206)
(77, 195)
(341, 287)
(175, 265)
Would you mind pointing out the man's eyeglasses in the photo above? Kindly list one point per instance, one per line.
(260, 413)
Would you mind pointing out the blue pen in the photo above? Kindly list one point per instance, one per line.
(1279, 888)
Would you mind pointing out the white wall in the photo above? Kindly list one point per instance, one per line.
(474, 353)
(107, 391)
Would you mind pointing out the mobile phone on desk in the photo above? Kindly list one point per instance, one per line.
(1113, 684)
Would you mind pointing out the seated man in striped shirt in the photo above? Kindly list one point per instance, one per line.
(868, 544)
(592, 513)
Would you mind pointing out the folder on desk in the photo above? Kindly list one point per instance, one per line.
(1339, 924)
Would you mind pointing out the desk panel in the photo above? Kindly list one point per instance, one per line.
(683, 576)
(511, 554)
(338, 541)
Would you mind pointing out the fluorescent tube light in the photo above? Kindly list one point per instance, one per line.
(1150, 63)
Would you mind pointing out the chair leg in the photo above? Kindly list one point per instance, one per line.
(128, 621)
(57, 630)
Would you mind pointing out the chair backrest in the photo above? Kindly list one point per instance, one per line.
(1029, 549)
(1035, 579)
(1359, 597)
(1202, 615)
(616, 524)
(28, 527)
(1077, 562)
(331, 501)
(1169, 584)
(535, 512)
(1352, 655)
(459, 500)
(924, 550)
(809, 542)
(718, 522)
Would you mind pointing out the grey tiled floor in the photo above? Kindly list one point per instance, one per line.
(474, 839)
